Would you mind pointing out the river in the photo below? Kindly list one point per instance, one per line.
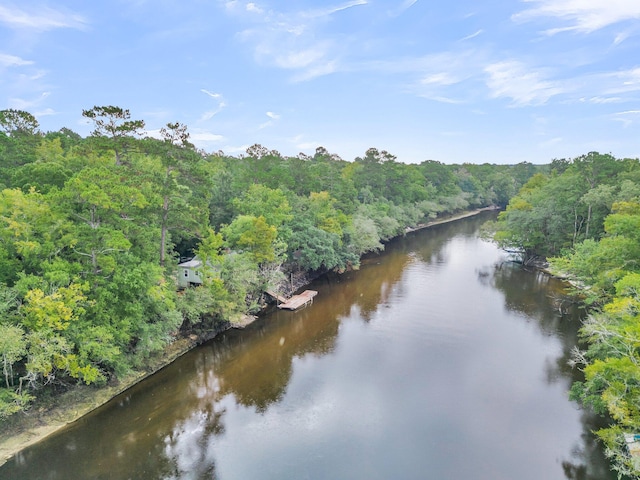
(438, 359)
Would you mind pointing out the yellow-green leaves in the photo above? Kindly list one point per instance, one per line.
(259, 200)
(326, 216)
(253, 235)
(104, 188)
(55, 310)
(48, 316)
(210, 249)
(23, 219)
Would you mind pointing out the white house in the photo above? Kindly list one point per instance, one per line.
(189, 273)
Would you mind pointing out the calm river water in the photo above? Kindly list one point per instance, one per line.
(437, 360)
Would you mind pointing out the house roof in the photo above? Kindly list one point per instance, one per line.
(193, 263)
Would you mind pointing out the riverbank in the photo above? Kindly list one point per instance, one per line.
(39, 423)
(452, 218)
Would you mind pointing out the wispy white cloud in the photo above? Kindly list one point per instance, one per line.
(400, 9)
(252, 7)
(272, 118)
(408, 3)
(584, 16)
(473, 35)
(203, 137)
(613, 87)
(212, 95)
(38, 17)
(628, 117)
(28, 104)
(621, 37)
(512, 79)
(13, 61)
(209, 114)
(299, 59)
(316, 71)
(302, 144)
(230, 5)
(630, 79)
(600, 88)
(440, 76)
(459, 64)
(308, 57)
(32, 76)
(295, 40)
(602, 100)
(443, 99)
(461, 75)
(324, 12)
(45, 113)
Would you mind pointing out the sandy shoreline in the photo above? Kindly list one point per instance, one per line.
(451, 219)
(79, 402)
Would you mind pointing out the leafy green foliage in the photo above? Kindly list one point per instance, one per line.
(13, 402)
(252, 235)
(92, 230)
(15, 122)
(114, 123)
(263, 201)
(553, 213)
(313, 248)
(13, 347)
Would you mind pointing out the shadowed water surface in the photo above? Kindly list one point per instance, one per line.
(437, 360)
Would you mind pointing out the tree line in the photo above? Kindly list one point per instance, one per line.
(92, 230)
(584, 216)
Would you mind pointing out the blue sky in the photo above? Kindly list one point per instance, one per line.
(499, 81)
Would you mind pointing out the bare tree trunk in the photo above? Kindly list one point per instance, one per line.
(577, 226)
(163, 231)
(6, 367)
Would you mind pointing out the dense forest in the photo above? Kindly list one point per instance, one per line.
(584, 216)
(92, 230)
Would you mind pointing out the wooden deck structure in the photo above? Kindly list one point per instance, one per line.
(279, 298)
(298, 301)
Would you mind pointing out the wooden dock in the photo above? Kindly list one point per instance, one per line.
(279, 298)
(298, 301)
